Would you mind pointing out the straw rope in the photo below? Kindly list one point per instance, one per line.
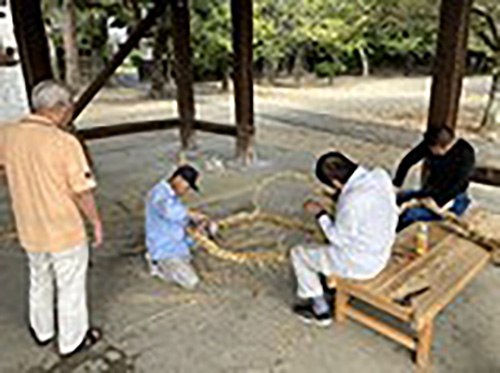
(242, 219)
(258, 216)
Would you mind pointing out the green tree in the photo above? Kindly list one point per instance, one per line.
(212, 43)
(486, 37)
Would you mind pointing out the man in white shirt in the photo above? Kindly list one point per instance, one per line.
(360, 236)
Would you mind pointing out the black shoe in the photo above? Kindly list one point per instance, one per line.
(37, 341)
(307, 315)
(93, 336)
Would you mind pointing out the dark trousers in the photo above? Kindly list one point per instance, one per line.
(423, 214)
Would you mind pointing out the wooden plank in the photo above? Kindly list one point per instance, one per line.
(216, 128)
(184, 71)
(382, 303)
(450, 283)
(416, 266)
(382, 328)
(398, 262)
(449, 65)
(117, 60)
(96, 133)
(395, 266)
(104, 132)
(486, 175)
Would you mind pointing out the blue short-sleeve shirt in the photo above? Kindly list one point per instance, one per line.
(166, 222)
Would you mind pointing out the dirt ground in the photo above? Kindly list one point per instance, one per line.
(239, 320)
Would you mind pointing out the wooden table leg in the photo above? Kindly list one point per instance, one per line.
(341, 304)
(424, 346)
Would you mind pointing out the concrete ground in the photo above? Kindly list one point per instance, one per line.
(239, 320)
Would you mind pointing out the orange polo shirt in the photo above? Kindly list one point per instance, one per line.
(45, 167)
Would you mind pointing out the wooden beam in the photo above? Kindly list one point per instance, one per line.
(118, 59)
(449, 65)
(215, 128)
(242, 19)
(104, 132)
(183, 71)
(382, 328)
(32, 43)
(486, 175)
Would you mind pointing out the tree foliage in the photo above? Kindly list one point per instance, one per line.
(325, 37)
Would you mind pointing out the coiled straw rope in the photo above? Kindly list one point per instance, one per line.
(250, 218)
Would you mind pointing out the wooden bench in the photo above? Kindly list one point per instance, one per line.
(434, 279)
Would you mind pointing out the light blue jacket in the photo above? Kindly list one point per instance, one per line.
(166, 223)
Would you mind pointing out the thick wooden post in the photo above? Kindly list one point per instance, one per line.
(183, 71)
(449, 65)
(32, 42)
(242, 14)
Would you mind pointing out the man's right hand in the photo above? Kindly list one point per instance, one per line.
(313, 207)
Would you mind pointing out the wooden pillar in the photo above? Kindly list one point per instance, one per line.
(32, 42)
(242, 16)
(449, 65)
(183, 71)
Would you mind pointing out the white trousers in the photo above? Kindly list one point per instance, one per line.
(177, 270)
(68, 272)
(308, 264)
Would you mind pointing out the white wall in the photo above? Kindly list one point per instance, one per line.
(7, 38)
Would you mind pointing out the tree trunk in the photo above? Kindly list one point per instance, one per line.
(365, 63)
(225, 76)
(492, 111)
(298, 66)
(170, 64)
(270, 72)
(160, 48)
(98, 44)
(72, 74)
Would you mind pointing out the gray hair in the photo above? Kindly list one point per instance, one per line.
(50, 94)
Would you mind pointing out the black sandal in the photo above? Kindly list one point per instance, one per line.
(93, 336)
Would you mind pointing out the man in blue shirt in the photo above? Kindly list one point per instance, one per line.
(167, 241)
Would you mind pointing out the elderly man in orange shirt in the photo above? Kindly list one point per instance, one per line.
(50, 185)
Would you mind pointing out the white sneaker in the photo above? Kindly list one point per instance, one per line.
(154, 269)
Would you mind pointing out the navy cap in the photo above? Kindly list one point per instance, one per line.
(189, 174)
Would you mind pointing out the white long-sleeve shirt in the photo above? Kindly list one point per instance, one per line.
(364, 229)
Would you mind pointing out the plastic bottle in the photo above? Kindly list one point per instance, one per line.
(422, 238)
